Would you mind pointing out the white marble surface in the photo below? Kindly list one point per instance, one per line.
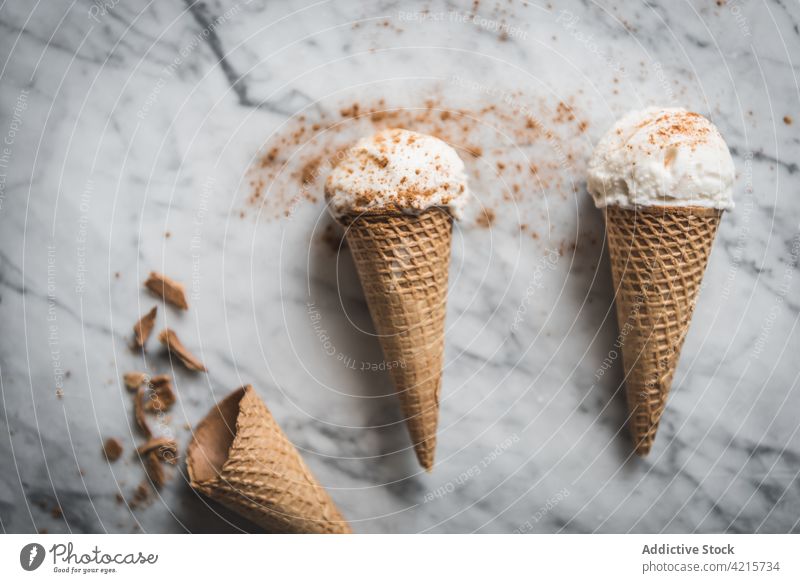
(107, 147)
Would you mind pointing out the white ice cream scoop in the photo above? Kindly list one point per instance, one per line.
(397, 170)
(662, 157)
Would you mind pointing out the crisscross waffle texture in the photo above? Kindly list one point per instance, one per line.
(658, 257)
(241, 458)
(402, 262)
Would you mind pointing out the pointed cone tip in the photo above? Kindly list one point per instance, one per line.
(425, 455)
(642, 446)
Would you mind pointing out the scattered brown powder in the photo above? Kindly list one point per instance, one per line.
(351, 111)
(474, 151)
(689, 128)
(486, 218)
(310, 170)
(519, 135)
(563, 113)
(787, 119)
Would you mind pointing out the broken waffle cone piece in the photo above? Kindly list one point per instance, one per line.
(155, 471)
(241, 458)
(160, 396)
(402, 262)
(658, 258)
(169, 339)
(167, 289)
(134, 380)
(166, 449)
(144, 327)
(138, 411)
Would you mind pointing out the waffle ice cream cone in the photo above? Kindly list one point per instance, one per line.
(402, 262)
(658, 257)
(397, 193)
(663, 177)
(241, 458)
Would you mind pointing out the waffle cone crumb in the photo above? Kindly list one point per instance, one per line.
(134, 380)
(138, 411)
(169, 339)
(144, 327)
(112, 449)
(167, 289)
(160, 396)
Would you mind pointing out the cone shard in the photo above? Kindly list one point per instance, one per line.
(402, 262)
(658, 258)
(241, 458)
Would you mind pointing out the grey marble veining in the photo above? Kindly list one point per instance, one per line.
(123, 121)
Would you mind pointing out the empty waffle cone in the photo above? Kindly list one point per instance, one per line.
(658, 257)
(241, 458)
(402, 262)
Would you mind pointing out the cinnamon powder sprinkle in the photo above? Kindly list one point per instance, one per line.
(486, 218)
(168, 289)
(514, 133)
(688, 128)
